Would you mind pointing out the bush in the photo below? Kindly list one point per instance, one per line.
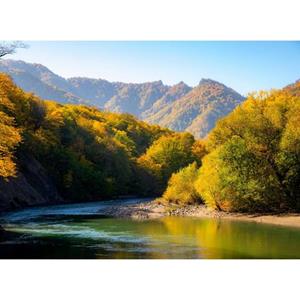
(181, 186)
(167, 155)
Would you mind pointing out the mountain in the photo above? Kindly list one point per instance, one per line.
(178, 107)
(96, 91)
(40, 80)
(136, 98)
(115, 96)
(198, 110)
(51, 152)
(294, 88)
(175, 92)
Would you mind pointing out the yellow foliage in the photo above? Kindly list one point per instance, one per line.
(181, 186)
(254, 161)
(89, 154)
(207, 183)
(199, 150)
(9, 139)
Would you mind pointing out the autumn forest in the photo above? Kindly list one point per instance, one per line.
(249, 162)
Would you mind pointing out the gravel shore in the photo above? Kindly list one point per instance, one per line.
(154, 209)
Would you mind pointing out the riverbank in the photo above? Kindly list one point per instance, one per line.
(155, 209)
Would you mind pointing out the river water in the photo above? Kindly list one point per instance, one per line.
(81, 231)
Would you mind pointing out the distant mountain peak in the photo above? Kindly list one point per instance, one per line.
(178, 107)
(208, 81)
(181, 83)
(23, 64)
(198, 110)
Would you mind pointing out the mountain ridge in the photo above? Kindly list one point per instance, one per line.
(178, 107)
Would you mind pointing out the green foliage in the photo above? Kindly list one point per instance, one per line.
(167, 155)
(181, 186)
(250, 162)
(89, 154)
(254, 160)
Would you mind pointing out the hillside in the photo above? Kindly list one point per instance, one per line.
(51, 152)
(294, 88)
(40, 80)
(252, 160)
(178, 107)
(198, 110)
(115, 96)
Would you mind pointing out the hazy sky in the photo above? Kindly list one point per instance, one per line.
(244, 66)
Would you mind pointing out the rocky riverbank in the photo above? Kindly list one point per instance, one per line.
(156, 209)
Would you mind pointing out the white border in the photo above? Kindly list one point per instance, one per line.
(149, 20)
(149, 279)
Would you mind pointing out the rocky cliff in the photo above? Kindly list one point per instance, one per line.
(31, 186)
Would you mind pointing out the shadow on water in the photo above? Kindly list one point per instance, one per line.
(69, 232)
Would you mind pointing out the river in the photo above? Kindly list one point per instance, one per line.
(81, 231)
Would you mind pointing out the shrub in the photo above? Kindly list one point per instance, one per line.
(181, 188)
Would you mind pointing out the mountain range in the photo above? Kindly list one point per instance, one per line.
(178, 107)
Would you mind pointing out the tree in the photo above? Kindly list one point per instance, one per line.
(89, 154)
(167, 155)
(254, 159)
(181, 186)
(234, 178)
(10, 48)
(10, 136)
(9, 139)
(199, 150)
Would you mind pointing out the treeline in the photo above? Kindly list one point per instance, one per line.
(89, 154)
(253, 160)
(250, 162)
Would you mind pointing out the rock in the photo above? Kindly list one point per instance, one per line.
(32, 186)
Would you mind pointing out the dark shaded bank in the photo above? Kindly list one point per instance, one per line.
(52, 152)
(32, 186)
(7, 235)
(2, 231)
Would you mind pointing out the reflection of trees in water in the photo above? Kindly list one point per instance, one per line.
(214, 238)
(170, 237)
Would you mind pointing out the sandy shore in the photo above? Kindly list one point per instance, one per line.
(153, 209)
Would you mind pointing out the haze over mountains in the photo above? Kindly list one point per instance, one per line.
(178, 107)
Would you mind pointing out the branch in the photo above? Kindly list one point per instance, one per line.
(10, 48)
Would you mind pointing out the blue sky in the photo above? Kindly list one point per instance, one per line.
(244, 66)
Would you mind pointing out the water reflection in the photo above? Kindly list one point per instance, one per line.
(214, 238)
(86, 236)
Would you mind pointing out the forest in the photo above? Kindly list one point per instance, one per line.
(250, 161)
(253, 158)
(89, 154)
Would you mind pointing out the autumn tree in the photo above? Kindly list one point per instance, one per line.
(89, 154)
(254, 162)
(181, 186)
(9, 139)
(167, 155)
